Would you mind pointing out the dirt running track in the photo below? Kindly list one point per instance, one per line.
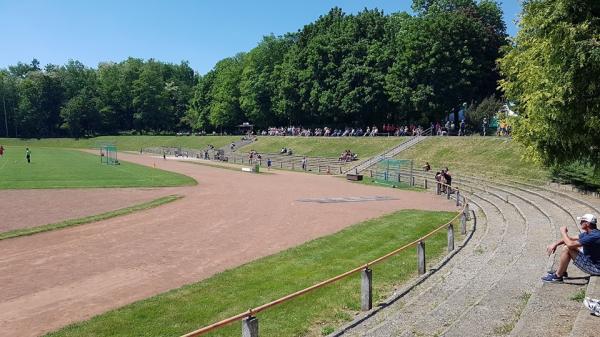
(55, 278)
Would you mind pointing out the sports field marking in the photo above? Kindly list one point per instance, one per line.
(89, 219)
(329, 200)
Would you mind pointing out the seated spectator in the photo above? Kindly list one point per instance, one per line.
(283, 150)
(583, 250)
(427, 167)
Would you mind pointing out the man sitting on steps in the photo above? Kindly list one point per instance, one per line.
(583, 250)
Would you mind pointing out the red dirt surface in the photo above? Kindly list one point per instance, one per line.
(30, 208)
(51, 279)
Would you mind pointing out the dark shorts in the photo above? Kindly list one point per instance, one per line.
(584, 263)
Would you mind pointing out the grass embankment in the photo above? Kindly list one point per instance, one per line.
(482, 156)
(62, 168)
(89, 219)
(231, 292)
(325, 146)
(124, 143)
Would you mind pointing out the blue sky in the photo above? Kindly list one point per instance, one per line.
(201, 32)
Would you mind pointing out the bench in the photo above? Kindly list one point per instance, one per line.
(354, 177)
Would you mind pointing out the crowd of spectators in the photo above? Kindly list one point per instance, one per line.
(369, 131)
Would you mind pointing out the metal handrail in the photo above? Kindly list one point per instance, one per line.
(253, 311)
(375, 159)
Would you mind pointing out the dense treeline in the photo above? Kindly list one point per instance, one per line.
(361, 69)
(75, 100)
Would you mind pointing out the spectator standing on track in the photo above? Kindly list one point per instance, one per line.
(28, 155)
(448, 178)
(439, 177)
(304, 164)
(1, 150)
(269, 163)
(583, 250)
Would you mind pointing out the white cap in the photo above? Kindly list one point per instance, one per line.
(587, 217)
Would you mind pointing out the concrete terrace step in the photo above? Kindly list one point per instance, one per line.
(586, 324)
(493, 286)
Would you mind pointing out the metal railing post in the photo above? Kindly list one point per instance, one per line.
(450, 238)
(437, 188)
(250, 327)
(457, 198)
(412, 181)
(421, 257)
(448, 192)
(366, 289)
(425, 183)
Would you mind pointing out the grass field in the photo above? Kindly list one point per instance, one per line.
(125, 143)
(325, 146)
(231, 292)
(62, 168)
(483, 156)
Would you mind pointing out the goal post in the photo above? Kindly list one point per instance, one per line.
(389, 170)
(108, 154)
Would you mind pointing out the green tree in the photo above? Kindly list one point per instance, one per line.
(197, 116)
(40, 100)
(445, 56)
(150, 99)
(9, 97)
(552, 72)
(487, 108)
(258, 82)
(80, 114)
(225, 109)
